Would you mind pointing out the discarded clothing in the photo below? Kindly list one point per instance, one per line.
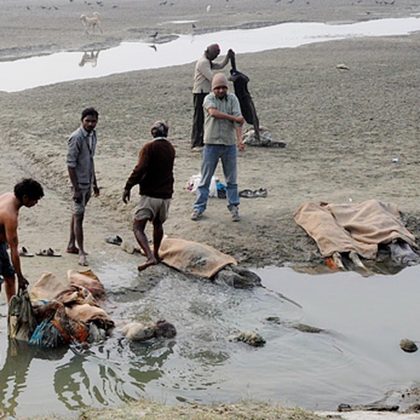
(69, 311)
(352, 227)
(194, 182)
(89, 280)
(21, 318)
(47, 287)
(265, 139)
(193, 257)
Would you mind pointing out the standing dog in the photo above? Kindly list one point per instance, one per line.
(91, 22)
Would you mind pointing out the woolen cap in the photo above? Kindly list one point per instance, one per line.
(219, 79)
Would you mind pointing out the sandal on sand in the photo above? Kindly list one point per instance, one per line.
(114, 240)
(23, 252)
(247, 194)
(261, 192)
(48, 253)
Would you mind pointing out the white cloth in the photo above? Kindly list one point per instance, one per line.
(194, 182)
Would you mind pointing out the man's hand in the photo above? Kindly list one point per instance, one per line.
(241, 146)
(22, 283)
(96, 191)
(126, 196)
(77, 195)
(240, 120)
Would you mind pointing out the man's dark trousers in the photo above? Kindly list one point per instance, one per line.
(198, 121)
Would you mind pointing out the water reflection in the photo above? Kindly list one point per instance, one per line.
(110, 374)
(128, 56)
(79, 378)
(14, 374)
(90, 57)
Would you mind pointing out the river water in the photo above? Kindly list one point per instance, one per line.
(356, 359)
(128, 56)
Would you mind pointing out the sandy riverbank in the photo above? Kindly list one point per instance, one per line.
(343, 128)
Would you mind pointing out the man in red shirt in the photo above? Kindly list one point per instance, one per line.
(154, 174)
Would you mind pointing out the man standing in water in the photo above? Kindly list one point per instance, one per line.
(81, 168)
(202, 84)
(154, 174)
(26, 194)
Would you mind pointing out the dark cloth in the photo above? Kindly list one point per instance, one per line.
(198, 121)
(6, 269)
(154, 170)
(240, 85)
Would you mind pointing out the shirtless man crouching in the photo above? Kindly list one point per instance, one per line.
(26, 193)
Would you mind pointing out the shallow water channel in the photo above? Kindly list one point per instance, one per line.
(356, 359)
(128, 56)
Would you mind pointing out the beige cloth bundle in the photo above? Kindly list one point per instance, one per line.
(193, 258)
(358, 227)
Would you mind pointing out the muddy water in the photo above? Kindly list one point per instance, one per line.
(65, 66)
(355, 360)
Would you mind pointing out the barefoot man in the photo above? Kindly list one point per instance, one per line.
(154, 174)
(26, 193)
(81, 168)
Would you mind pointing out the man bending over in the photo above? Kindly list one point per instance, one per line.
(26, 194)
(154, 174)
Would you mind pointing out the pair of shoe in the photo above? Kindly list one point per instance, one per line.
(261, 192)
(234, 211)
(48, 253)
(196, 215)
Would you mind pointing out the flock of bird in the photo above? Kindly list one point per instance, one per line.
(100, 3)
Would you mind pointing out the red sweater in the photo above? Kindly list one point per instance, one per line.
(154, 169)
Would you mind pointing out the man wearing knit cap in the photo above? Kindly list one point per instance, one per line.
(154, 174)
(202, 86)
(222, 137)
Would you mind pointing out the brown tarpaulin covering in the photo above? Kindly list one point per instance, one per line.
(355, 227)
(76, 293)
(87, 313)
(193, 257)
(48, 286)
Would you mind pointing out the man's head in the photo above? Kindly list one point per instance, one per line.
(219, 85)
(159, 129)
(28, 192)
(212, 51)
(89, 119)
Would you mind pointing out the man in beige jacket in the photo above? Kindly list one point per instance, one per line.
(202, 86)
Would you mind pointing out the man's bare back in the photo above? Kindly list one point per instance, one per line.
(8, 215)
(26, 193)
